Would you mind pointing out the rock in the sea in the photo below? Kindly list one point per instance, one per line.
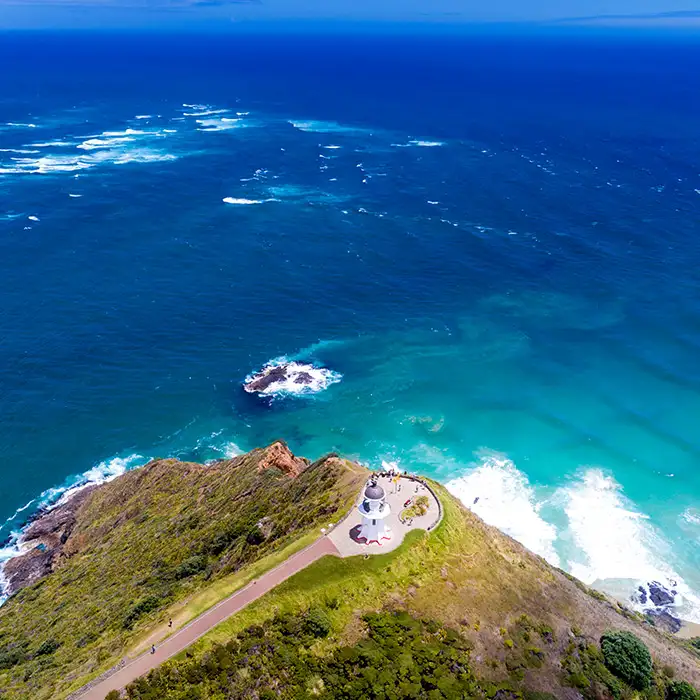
(664, 621)
(642, 595)
(263, 380)
(660, 596)
(281, 377)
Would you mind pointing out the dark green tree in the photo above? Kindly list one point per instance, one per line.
(628, 658)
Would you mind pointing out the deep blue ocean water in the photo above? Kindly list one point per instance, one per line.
(495, 240)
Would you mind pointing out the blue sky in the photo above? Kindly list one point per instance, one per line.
(218, 13)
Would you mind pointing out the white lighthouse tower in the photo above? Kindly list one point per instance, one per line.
(374, 511)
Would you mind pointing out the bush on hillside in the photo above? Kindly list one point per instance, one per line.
(141, 607)
(48, 647)
(10, 657)
(191, 566)
(317, 622)
(682, 690)
(113, 695)
(628, 658)
(399, 658)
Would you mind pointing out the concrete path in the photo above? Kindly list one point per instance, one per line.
(191, 632)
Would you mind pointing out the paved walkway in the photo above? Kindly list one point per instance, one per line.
(344, 535)
(191, 632)
(339, 542)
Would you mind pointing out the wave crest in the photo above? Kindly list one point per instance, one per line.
(502, 496)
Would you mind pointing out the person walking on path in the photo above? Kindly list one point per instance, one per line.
(153, 648)
(170, 622)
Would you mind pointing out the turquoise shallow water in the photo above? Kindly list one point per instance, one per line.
(494, 241)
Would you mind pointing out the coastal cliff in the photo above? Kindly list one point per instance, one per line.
(108, 569)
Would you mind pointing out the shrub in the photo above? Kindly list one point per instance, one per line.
(11, 657)
(317, 622)
(681, 690)
(191, 566)
(113, 695)
(48, 647)
(139, 608)
(628, 658)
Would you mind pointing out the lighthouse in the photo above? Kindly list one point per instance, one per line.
(374, 511)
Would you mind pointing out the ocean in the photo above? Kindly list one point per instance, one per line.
(492, 241)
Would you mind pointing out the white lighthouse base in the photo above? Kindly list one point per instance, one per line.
(370, 532)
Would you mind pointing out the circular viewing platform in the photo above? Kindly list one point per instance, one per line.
(411, 505)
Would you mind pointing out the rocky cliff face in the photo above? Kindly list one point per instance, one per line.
(44, 542)
(279, 456)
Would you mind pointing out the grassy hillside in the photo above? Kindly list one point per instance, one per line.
(464, 611)
(171, 535)
(530, 629)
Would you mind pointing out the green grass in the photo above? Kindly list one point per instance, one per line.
(412, 573)
(142, 531)
(170, 539)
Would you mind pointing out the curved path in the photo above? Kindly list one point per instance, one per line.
(191, 632)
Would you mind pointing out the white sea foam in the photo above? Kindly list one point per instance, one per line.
(325, 127)
(143, 116)
(299, 378)
(231, 450)
(220, 124)
(75, 195)
(54, 144)
(143, 155)
(206, 112)
(502, 496)
(20, 125)
(332, 147)
(126, 132)
(50, 164)
(237, 200)
(614, 541)
(691, 516)
(19, 151)
(98, 143)
(418, 142)
(33, 218)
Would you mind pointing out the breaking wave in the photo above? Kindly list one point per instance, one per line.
(602, 539)
(238, 200)
(614, 542)
(502, 496)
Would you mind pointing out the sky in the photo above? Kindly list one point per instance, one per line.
(144, 14)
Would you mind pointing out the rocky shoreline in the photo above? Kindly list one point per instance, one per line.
(43, 542)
